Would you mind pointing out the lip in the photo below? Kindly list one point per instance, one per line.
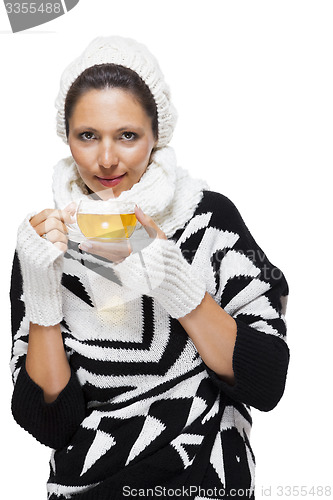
(110, 182)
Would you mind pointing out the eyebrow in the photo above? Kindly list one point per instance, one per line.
(126, 128)
(129, 128)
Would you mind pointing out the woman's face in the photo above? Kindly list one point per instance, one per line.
(110, 135)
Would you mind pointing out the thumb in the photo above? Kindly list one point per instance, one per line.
(148, 223)
(71, 208)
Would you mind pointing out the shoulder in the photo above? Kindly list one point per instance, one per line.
(224, 214)
(214, 199)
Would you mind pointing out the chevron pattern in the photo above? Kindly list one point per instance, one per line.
(151, 403)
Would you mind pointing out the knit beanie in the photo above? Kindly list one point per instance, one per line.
(133, 55)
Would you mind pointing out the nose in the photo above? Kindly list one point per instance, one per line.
(107, 154)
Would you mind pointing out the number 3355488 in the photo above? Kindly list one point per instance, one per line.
(33, 8)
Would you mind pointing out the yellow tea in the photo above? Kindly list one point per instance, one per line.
(106, 226)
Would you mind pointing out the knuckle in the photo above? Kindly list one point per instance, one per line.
(58, 214)
(53, 215)
(56, 235)
(46, 226)
(46, 212)
(61, 246)
(52, 223)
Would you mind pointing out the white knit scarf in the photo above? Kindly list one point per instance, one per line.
(165, 191)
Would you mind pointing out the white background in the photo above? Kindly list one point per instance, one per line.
(252, 82)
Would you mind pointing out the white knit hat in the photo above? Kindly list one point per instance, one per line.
(131, 54)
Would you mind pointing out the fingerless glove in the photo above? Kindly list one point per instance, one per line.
(41, 265)
(161, 271)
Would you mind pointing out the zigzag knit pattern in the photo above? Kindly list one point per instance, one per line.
(142, 411)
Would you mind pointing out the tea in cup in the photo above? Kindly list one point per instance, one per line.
(108, 221)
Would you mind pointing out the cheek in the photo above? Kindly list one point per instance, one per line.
(82, 156)
(139, 157)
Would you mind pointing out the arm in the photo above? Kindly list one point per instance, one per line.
(216, 346)
(237, 323)
(46, 361)
(41, 261)
(47, 400)
(248, 365)
(231, 307)
(240, 331)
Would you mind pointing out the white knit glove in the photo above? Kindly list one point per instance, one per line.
(161, 271)
(41, 265)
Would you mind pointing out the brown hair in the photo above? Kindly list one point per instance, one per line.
(111, 75)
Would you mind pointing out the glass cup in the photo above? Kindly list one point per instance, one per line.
(107, 221)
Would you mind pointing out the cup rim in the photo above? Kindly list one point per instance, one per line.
(118, 208)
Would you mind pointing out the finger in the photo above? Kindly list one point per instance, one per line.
(62, 246)
(109, 250)
(71, 208)
(67, 215)
(50, 224)
(41, 216)
(148, 223)
(62, 215)
(56, 236)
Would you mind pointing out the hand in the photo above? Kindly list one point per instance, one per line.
(147, 222)
(51, 225)
(117, 252)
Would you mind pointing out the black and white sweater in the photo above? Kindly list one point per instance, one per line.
(142, 411)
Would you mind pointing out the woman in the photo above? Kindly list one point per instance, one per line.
(141, 390)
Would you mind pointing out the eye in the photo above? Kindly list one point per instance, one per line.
(87, 136)
(128, 136)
